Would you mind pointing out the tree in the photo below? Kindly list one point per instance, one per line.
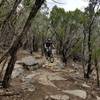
(7, 23)
(17, 43)
(2, 2)
(66, 26)
(90, 11)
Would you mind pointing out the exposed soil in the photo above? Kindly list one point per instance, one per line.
(48, 80)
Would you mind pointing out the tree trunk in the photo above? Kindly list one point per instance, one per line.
(92, 16)
(83, 53)
(97, 70)
(5, 32)
(9, 69)
(89, 69)
(8, 18)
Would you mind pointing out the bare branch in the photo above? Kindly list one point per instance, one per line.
(57, 2)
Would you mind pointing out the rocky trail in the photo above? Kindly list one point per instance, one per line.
(34, 78)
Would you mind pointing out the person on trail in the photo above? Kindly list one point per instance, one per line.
(48, 47)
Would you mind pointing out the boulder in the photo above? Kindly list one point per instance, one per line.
(29, 63)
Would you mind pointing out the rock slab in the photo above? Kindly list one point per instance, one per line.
(80, 93)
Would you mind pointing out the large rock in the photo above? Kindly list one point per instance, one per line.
(57, 97)
(80, 93)
(29, 63)
(18, 70)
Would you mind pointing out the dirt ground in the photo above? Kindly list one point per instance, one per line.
(49, 80)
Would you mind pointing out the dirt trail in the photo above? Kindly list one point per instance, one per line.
(52, 81)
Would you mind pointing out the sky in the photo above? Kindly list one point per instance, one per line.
(69, 4)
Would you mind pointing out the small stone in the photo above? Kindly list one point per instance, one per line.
(85, 85)
(28, 87)
(31, 89)
(59, 97)
(55, 77)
